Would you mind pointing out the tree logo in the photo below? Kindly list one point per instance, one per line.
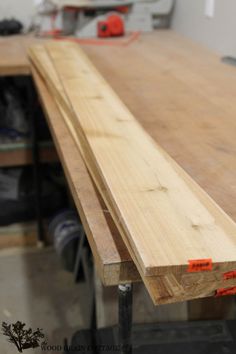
(21, 337)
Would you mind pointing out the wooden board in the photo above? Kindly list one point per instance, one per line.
(153, 197)
(112, 259)
(158, 290)
(207, 289)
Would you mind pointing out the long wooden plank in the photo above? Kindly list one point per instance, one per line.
(113, 261)
(157, 288)
(152, 193)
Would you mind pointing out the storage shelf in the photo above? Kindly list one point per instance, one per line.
(18, 154)
(22, 234)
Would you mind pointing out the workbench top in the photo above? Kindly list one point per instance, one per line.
(13, 54)
(183, 96)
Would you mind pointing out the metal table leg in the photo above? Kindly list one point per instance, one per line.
(93, 321)
(125, 318)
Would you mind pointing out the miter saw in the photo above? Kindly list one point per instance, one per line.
(105, 18)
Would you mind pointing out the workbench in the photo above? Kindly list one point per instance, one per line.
(14, 62)
(183, 96)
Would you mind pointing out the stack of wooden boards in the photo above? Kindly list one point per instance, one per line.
(182, 243)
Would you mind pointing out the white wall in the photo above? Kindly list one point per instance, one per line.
(218, 33)
(22, 10)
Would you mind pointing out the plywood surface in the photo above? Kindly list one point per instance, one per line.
(13, 54)
(196, 129)
(187, 180)
(152, 196)
(184, 97)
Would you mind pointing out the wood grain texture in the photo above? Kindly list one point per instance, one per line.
(194, 121)
(112, 259)
(13, 58)
(153, 197)
(183, 96)
(113, 270)
(198, 290)
(159, 293)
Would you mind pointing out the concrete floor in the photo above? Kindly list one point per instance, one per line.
(34, 289)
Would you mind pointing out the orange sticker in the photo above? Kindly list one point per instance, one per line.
(227, 291)
(199, 265)
(230, 275)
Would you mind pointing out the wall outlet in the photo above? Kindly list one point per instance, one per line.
(210, 8)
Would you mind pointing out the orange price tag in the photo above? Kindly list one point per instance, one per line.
(199, 265)
(230, 275)
(227, 291)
